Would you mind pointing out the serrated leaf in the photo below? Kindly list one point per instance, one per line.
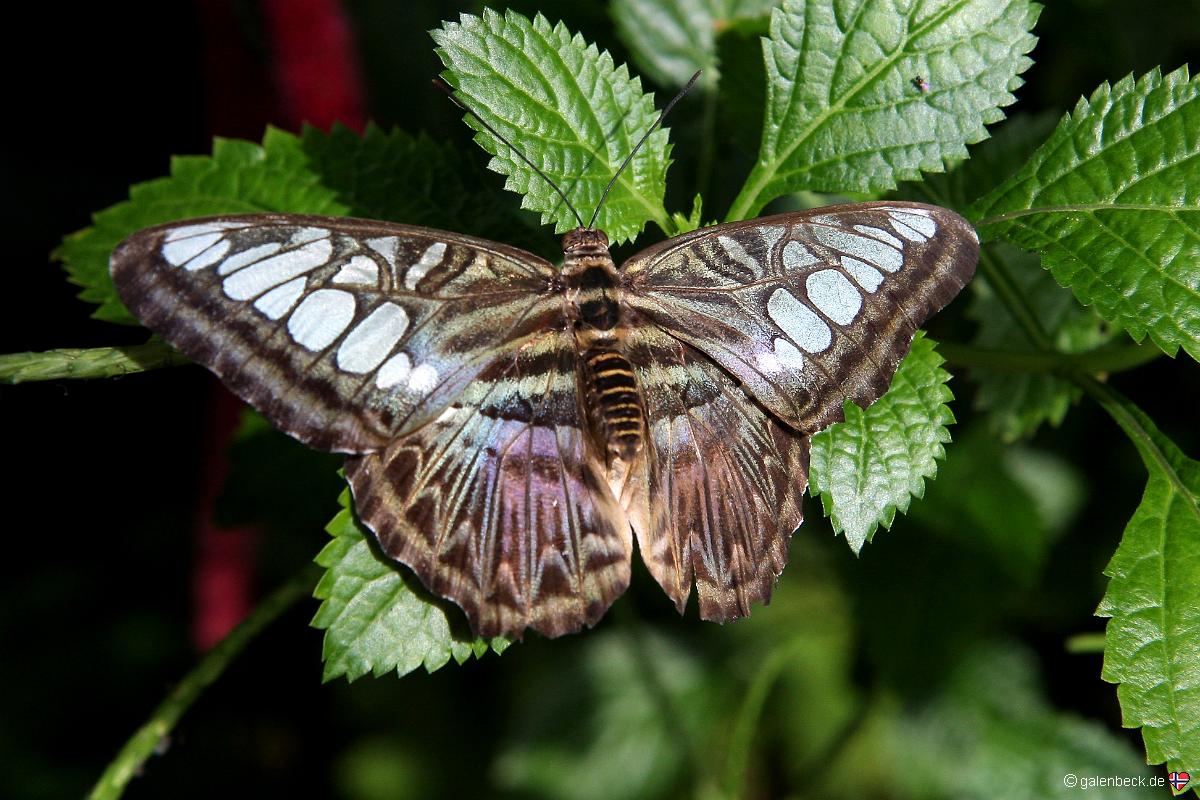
(1019, 402)
(1111, 201)
(671, 39)
(1152, 641)
(239, 178)
(563, 104)
(393, 175)
(991, 162)
(375, 615)
(871, 465)
(843, 113)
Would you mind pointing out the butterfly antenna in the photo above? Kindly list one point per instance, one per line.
(638, 146)
(446, 89)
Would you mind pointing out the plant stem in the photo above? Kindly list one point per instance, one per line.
(1012, 298)
(741, 740)
(97, 362)
(1109, 359)
(156, 730)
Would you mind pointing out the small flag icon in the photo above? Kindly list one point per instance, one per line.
(1178, 780)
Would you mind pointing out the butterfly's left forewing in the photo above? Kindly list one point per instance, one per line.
(443, 363)
(808, 309)
(344, 333)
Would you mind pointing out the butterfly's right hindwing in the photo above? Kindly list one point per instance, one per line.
(344, 333)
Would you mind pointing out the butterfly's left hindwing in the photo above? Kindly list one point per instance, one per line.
(344, 333)
(811, 308)
(501, 504)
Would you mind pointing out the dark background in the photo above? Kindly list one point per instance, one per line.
(104, 478)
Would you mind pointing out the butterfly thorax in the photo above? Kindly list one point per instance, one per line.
(594, 305)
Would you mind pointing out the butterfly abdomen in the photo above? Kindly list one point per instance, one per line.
(615, 400)
(594, 297)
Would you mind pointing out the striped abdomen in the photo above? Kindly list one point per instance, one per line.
(593, 293)
(615, 401)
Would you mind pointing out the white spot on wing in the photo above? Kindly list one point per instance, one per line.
(386, 247)
(321, 318)
(184, 249)
(239, 260)
(880, 233)
(797, 256)
(395, 370)
(361, 270)
(209, 257)
(799, 322)
(864, 274)
(429, 259)
(205, 227)
(365, 347)
(770, 235)
(916, 227)
(306, 235)
(254, 280)
(872, 251)
(832, 292)
(277, 302)
(423, 379)
(734, 250)
(787, 354)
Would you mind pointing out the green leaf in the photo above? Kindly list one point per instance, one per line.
(97, 362)
(843, 113)
(1019, 402)
(1111, 201)
(671, 40)
(393, 175)
(603, 725)
(868, 467)
(1002, 525)
(376, 616)
(563, 104)
(990, 733)
(239, 178)
(991, 162)
(1152, 641)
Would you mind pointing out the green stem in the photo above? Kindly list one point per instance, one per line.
(1109, 359)
(1139, 428)
(1082, 643)
(1013, 299)
(97, 362)
(638, 643)
(148, 738)
(741, 740)
(708, 144)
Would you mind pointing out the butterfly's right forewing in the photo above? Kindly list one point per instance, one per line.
(807, 309)
(344, 333)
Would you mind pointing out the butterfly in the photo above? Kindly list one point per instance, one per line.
(511, 426)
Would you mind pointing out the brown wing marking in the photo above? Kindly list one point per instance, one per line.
(201, 284)
(501, 504)
(718, 494)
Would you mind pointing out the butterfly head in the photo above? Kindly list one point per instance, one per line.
(585, 241)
